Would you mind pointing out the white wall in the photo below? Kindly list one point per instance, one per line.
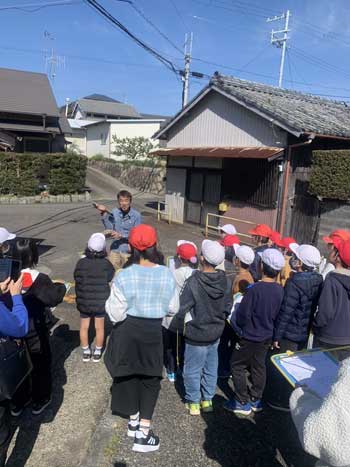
(125, 129)
(79, 141)
(93, 139)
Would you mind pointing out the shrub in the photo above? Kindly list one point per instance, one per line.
(22, 174)
(330, 174)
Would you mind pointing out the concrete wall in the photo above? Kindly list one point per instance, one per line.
(79, 141)
(141, 178)
(93, 140)
(217, 121)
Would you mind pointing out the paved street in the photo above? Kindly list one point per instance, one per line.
(78, 429)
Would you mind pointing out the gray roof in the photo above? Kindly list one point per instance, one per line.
(108, 108)
(100, 97)
(26, 92)
(296, 111)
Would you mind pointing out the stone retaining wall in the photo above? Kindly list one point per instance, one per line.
(146, 179)
(45, 199)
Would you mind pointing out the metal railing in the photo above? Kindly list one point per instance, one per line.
(164, 212)
(217, 227)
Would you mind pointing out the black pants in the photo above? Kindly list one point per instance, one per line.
(170, 342)
(4, 431)
(339, 354)
(38, 385)
(278, 390)
(136, 393)
(250, 356)
(225, 349)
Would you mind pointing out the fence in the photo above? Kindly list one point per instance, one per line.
(217, 227)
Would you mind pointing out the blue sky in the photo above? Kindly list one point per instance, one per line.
(232, 33)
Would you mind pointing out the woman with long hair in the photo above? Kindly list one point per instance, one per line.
(141, 296)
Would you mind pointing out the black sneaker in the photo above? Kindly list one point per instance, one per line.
(16, 410)
(39, 407)
(132, 429)
(86, 355)
(96, 357)
(143, 443)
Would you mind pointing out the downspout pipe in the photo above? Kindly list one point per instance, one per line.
(310, 139)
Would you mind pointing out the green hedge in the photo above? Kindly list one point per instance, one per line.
(330, 174)
(23, 174)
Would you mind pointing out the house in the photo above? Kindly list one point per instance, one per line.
(250, 144)
(99, 107)
(29, 117)
(97, 137)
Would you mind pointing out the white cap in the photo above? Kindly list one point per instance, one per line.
(182, 242)
(308, 254)
(213, 252)
(97, 242)
(5, 235)
(273, 258)
(244, 253)
(229, 229)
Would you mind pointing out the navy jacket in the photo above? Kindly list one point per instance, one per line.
(256, 265)
(301, 295)
(332, 321)
(208, 299)
(258, 310)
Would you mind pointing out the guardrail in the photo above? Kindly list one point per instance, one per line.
(163, 212)
(217, 227)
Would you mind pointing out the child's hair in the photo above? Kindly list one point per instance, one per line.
(307, 268)
(263, 240)
(229, 253)
(244, 265)
(95, 254)
(184, 262)
(269, 271)
(152, 254)
(26, 251)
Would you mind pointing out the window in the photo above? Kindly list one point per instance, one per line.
(103, 138)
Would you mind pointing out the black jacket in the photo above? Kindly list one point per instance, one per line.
(332, 321)
(301, 295)
(208, 299)
(255, 267)
(92, 277)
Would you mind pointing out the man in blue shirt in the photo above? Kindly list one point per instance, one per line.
(118, 223)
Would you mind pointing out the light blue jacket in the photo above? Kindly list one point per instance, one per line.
(123, 224)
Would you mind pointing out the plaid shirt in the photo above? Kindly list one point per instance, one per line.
(142, 292)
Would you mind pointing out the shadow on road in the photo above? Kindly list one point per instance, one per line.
(63, 342)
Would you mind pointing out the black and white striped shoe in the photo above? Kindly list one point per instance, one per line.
(143, 443)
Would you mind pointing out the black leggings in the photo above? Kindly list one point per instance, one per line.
(135, 393)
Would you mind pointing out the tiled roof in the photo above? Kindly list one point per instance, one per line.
(297, 111)
(108, 108)
(26, 92)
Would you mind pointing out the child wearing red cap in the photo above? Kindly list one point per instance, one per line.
(186, 262)
(261, 235)
(141, 296)
(326, 265)
(332, 322)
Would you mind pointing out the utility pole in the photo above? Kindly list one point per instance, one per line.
(279, 39)
(186, 72)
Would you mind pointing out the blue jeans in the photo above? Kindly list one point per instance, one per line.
(200, 371)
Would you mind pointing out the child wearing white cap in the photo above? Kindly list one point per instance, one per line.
(92, 276)
(255, 317)
(205, 302)
(293, 323)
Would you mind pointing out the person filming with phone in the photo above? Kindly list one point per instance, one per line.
(13, 324)
(118, 224)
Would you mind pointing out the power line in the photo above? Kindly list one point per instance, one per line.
(97, 7)
(33, 7)
(289, 68)
(179, 15)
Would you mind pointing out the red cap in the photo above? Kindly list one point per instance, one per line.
(287, 241)
(261, 230)
(187, 252)
(343, 248)
(230, 240)
(275, 237)
(340, 234)
(142, 237)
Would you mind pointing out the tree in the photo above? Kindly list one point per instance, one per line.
(132, 148)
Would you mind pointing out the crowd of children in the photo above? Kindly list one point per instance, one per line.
(217, 311)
